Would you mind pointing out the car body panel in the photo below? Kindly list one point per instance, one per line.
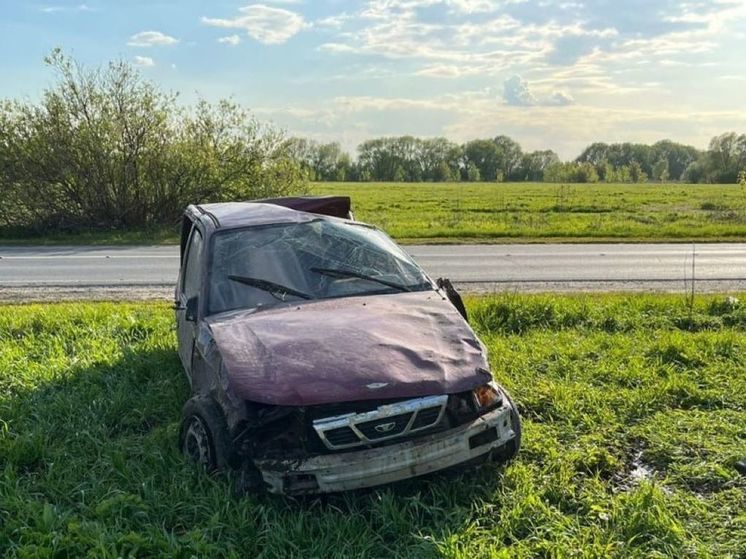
(231, 215)
(399, 345)
(334, 206)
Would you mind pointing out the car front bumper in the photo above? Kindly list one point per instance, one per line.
(367, 468)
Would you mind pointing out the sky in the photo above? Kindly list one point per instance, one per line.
(552, 74)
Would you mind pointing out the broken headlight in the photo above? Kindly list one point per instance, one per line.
(487, 396)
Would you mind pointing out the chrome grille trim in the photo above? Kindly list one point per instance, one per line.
(352, 420)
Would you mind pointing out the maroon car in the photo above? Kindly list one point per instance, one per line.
(321, 357)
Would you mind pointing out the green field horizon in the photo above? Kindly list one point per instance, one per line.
(540, 212)
(446, 213)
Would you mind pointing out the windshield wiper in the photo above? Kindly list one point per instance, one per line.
(353, 274)
(269, 286)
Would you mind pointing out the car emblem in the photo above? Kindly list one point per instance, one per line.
(385, 427)
(376, 385)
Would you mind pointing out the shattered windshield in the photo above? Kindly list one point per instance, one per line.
(320, 259)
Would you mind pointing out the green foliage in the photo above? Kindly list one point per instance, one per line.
(726, 158)
(408, 159)
(321, 162)
(105, 149)
(628, 162)
(483, 155)
(509, 156)
(571, 172)
(660, 170)
(632, 426)
(472, 172)
(636, 173)
(535, 164)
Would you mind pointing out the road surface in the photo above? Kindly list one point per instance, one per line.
(537, 267)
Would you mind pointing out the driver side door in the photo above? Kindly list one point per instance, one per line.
(187, 292)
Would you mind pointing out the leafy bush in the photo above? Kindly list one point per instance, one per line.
(105, 149)
(571, 172)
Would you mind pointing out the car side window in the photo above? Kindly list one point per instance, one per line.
(190, 279)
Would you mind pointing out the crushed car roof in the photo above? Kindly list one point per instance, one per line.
(228, 215)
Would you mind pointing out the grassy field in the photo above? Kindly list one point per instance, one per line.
(162, 236)
(464, 212)
(506, 212)
(634, 411)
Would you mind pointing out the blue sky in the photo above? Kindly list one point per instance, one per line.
(551, 73)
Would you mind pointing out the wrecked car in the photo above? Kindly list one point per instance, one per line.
(321, 357)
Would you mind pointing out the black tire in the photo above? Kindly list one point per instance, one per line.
(204, 436)
(510, 450)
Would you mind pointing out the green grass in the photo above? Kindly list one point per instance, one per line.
(510, 212)
(610, 387)
(485, 212)
(162, 236)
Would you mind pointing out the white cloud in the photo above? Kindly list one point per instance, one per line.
(336, 48)
(232, 40)
(517, 93)
(458, 38)
(144, 61)
(333, 22)
(560, 99)
(78, 8)
(266, 24)
(446, 71)
(151, 39)
(474, 6)
(472, 42)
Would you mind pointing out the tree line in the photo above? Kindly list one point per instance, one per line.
(411, 159)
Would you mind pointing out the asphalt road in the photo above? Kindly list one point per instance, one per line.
(717, 267)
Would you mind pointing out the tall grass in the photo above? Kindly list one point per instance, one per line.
(634, 417)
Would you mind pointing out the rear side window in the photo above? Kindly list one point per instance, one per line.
(190, 280)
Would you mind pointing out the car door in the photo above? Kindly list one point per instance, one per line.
(187, 292)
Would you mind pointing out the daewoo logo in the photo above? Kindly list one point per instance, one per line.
(376, 385)
(385, 427)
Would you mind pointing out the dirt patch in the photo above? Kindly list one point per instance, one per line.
(42, 294)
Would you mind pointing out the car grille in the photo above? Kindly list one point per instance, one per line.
(384, 423)
(341, 437)
(387, 427)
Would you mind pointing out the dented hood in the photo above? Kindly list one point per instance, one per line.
(358, 348)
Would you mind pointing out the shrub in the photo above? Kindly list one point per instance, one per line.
(105, 149)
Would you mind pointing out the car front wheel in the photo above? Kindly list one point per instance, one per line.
(204, 436)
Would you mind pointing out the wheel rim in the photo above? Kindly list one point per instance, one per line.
(197, 442)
